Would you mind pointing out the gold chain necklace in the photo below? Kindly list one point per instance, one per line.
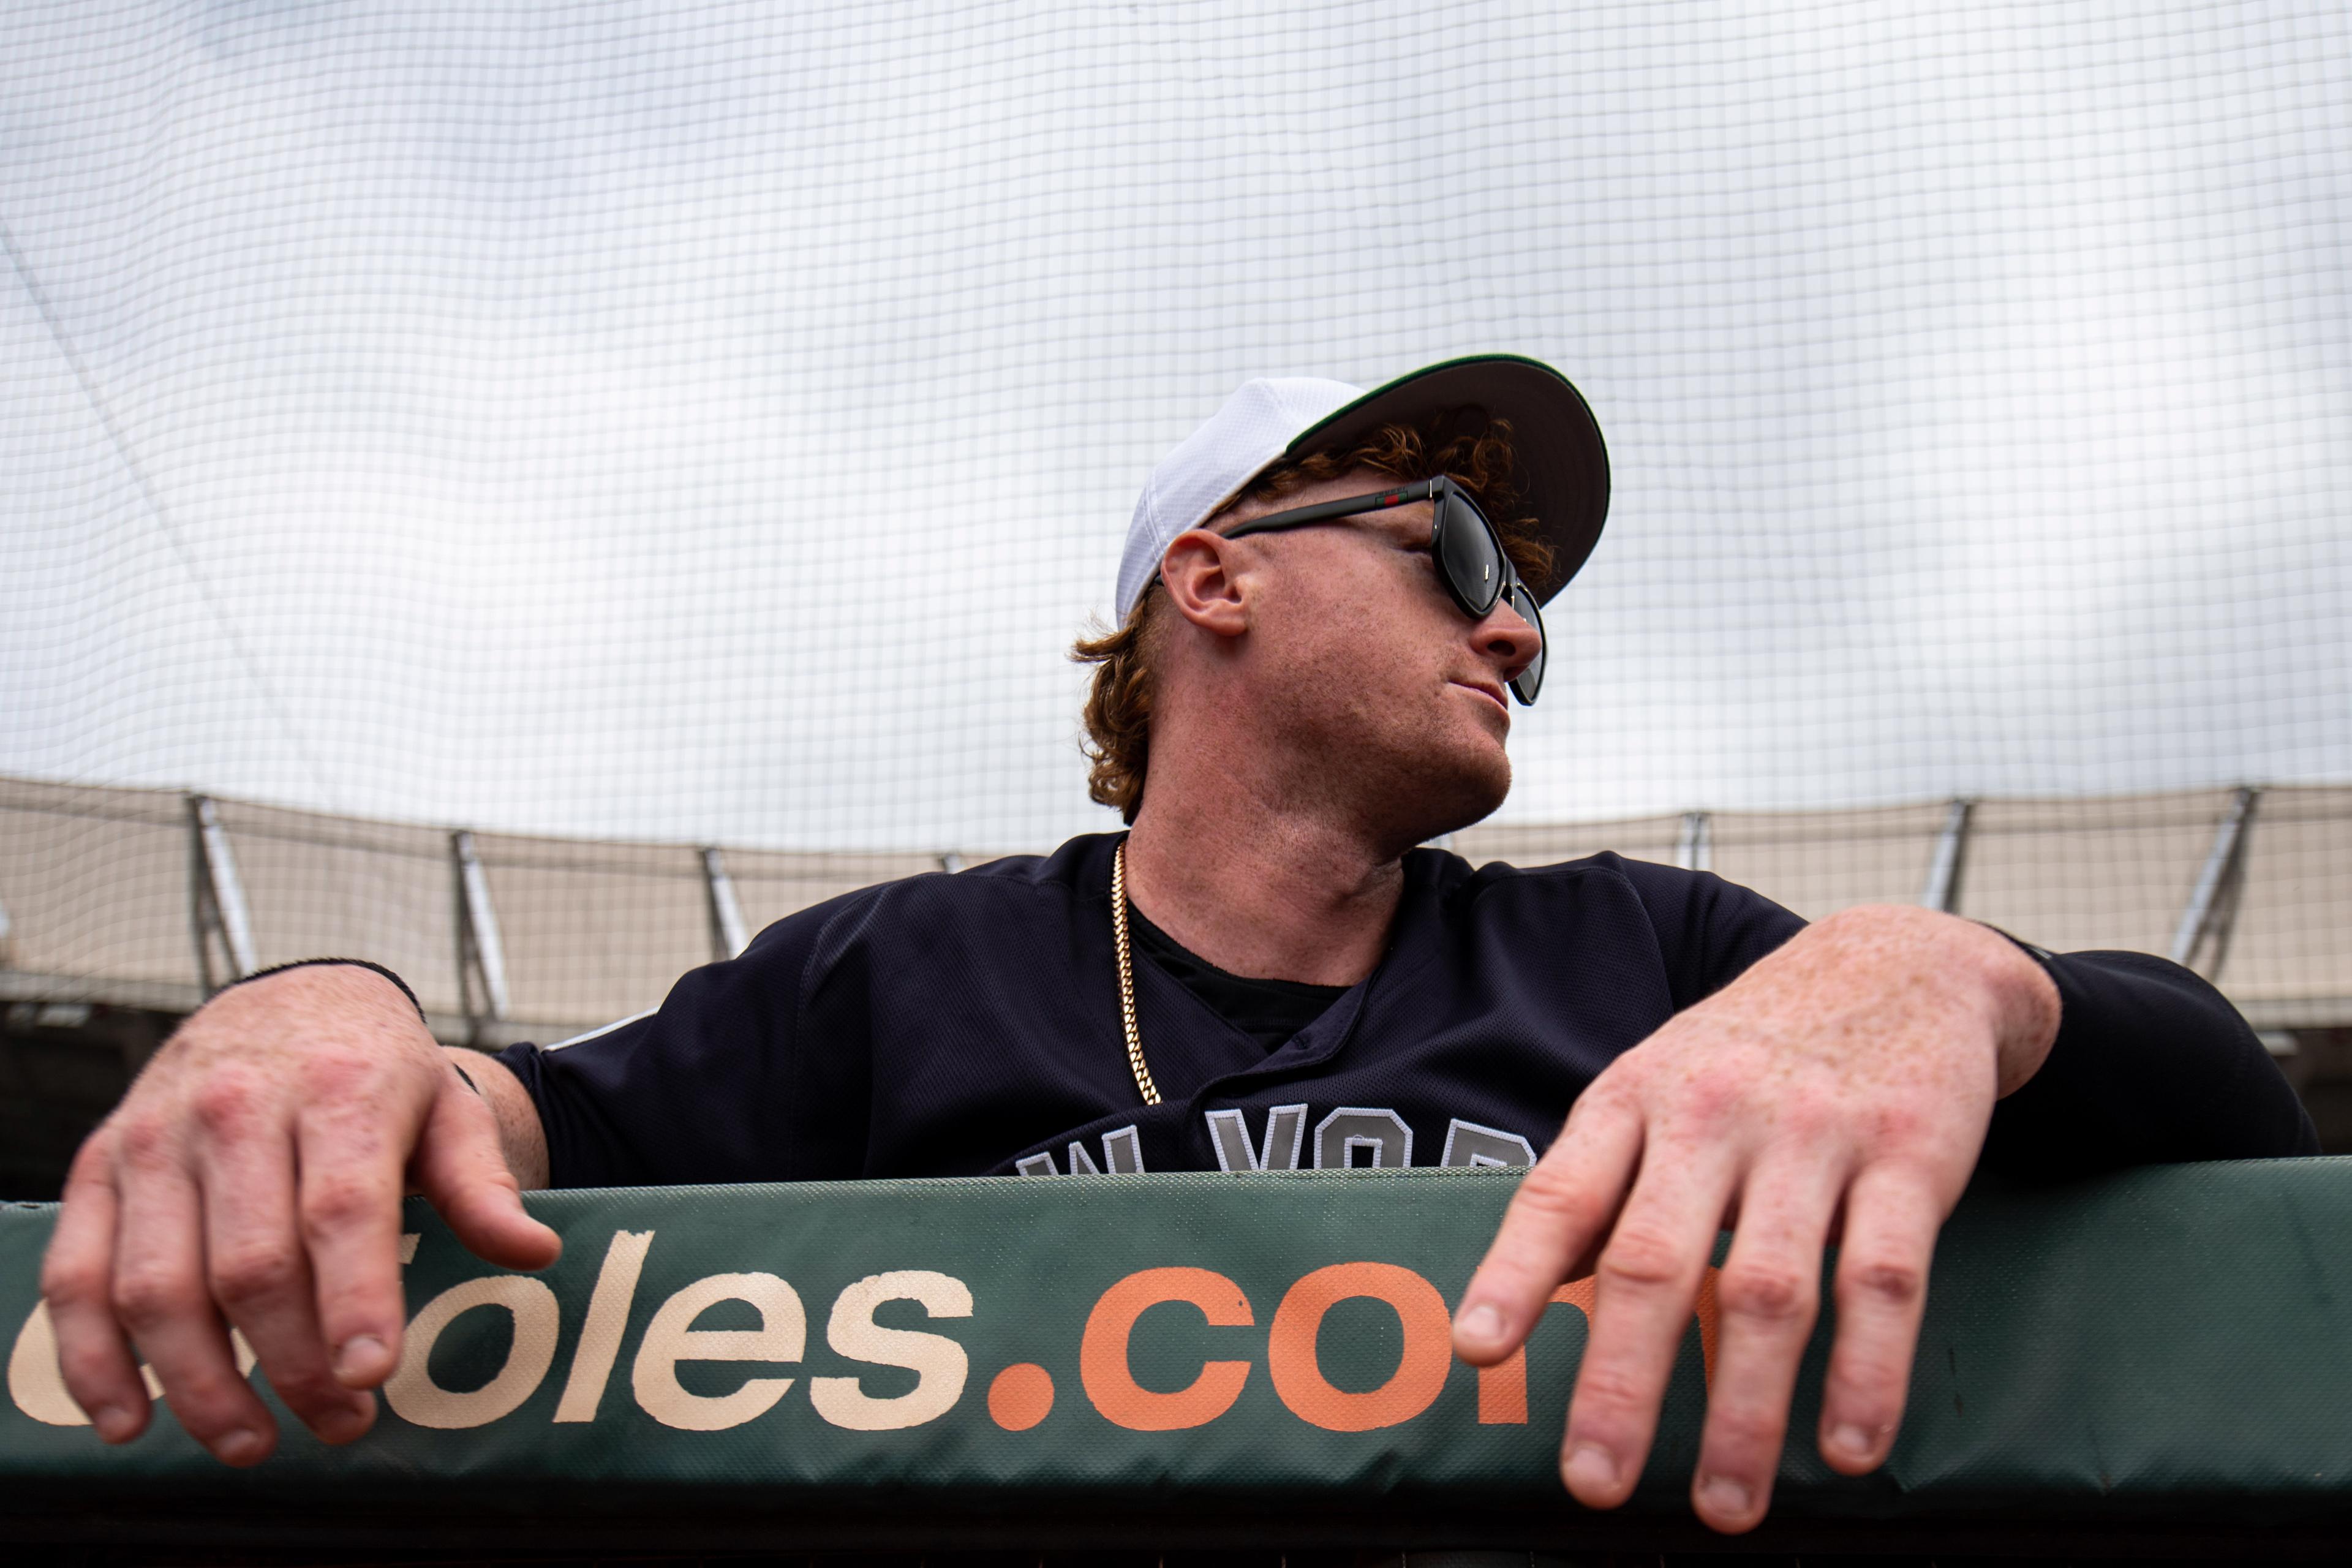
(1127, 976)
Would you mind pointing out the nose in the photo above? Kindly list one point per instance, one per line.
(1507, 640)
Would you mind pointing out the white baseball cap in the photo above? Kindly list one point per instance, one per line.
(1562, 475)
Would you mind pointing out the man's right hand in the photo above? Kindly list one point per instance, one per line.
(252, 1178)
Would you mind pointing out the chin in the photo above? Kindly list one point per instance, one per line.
(1475, 790)
(1408, 770)
(1441, 789)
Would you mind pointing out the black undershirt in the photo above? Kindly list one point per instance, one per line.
(1269, 1011)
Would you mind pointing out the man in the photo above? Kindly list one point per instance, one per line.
(1325, 598)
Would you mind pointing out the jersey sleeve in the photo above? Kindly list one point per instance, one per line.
(698, 1090)
(1708, 930)
(2151, 1064)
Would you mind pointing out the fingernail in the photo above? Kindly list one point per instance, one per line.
(243, 1447)
(1481, 1322)
(1725, 1496)
(362, 1356)
(114, 1422)
(1590, 1467)
(1855, 1440)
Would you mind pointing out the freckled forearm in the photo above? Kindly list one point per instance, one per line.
(1911, 958)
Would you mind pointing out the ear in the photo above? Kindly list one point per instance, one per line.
(1203, 575)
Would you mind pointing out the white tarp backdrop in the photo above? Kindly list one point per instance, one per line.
(713, 421)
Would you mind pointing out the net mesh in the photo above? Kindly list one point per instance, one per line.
(710, 424)
(702, 422)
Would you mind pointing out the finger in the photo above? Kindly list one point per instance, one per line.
(1560, 1213)
(78, 1282)
(1768, 1296)
(159, 1295)
(1891, 1219)
(461, 1168)
(257, 1272)
(353, 1150)
(1648, 1283)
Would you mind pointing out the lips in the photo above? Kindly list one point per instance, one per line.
(1492, 693)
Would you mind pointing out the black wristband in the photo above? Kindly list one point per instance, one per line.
(357, 963)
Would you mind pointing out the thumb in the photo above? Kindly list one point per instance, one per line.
(461, 1169)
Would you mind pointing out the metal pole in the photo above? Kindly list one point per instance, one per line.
(1943, 888)
(728, 935)
(2213, 906)
(480, 949)
(219, 908)
(1695, 850)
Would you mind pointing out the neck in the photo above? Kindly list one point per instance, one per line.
(1259, 890)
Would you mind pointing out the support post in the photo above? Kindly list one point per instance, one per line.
(1943, 889)
(729, 936)
(1695, 850)
(481, 955)
(216, 906)
(2212, 909)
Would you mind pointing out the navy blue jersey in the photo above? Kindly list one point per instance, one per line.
(969, 1024)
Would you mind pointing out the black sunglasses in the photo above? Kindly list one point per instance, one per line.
(1471, 561)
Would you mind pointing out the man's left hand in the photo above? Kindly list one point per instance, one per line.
(1838, 1090)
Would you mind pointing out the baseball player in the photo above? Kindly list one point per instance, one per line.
(1328, 601)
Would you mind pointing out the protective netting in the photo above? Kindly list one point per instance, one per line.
(710, 424)
(713, 422)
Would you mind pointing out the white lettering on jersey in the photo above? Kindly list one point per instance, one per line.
(1353, 1127)
(1286, 1138)
(1467, 1144)
(1360, 1136)
(1122, 1155)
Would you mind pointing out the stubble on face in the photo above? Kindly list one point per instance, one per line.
(1359, 671)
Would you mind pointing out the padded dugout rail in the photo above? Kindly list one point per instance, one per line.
(1234, 1360)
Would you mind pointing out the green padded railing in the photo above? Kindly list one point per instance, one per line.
(1215, 1358)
